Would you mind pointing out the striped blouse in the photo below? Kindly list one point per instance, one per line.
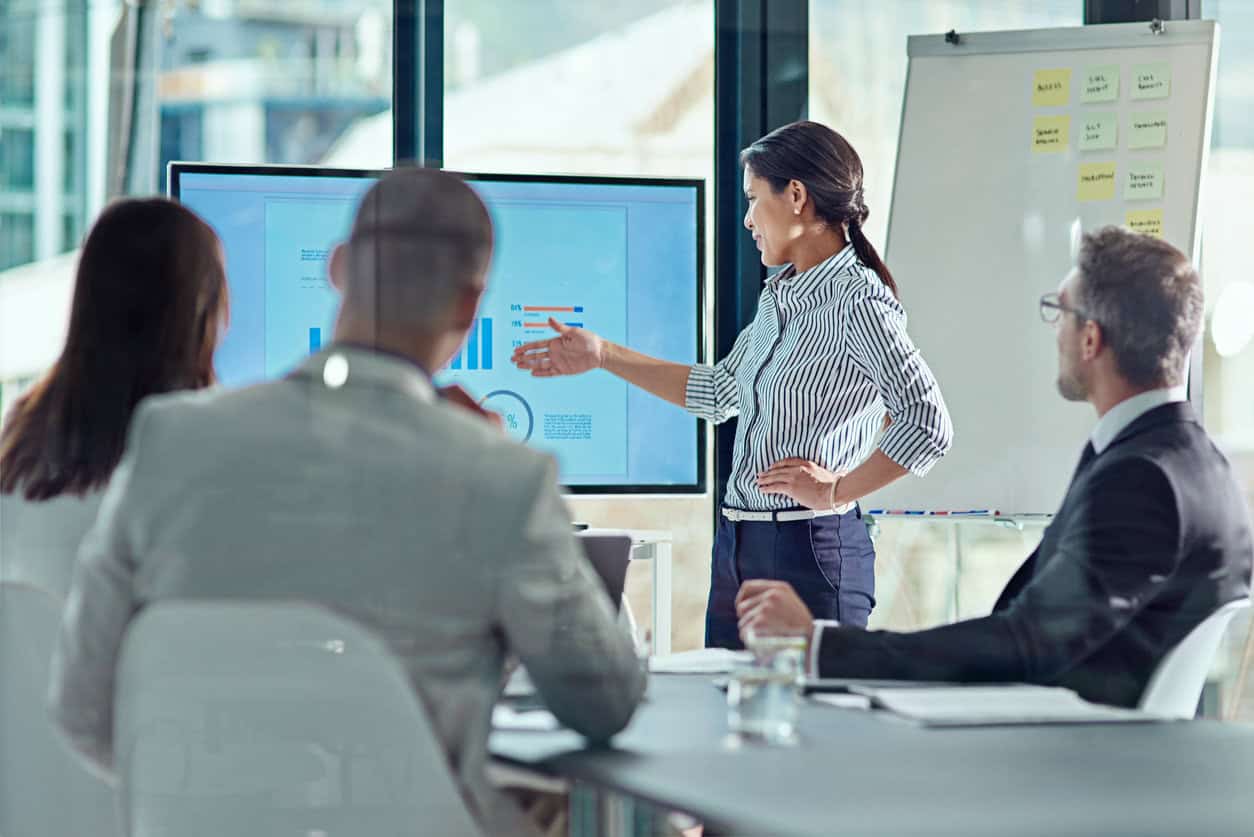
(812, 376)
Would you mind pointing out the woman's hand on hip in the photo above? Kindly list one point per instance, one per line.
(809, 483)
(572, 351)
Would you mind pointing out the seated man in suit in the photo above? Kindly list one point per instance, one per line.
(351, 482)
(1152, 537)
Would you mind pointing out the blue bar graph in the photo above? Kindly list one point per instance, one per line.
(485, 328)
(472, 347)
(315, 340)
(477, 353)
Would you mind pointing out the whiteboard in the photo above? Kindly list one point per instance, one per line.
(987, 202)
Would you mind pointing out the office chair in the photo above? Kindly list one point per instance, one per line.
(1176, 685)
(273, 719)
(44, 790)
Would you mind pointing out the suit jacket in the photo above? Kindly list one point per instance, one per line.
(1152, 537)
(378, 500)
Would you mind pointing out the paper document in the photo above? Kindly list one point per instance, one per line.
(963, 706)
(842, 701)
(700, 661)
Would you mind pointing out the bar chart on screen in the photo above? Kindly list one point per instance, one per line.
(477, 353)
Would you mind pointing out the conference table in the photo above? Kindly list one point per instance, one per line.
(863, 772)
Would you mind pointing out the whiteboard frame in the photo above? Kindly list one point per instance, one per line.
(1076, 38)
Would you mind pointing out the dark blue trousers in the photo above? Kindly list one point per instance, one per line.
(829, 561)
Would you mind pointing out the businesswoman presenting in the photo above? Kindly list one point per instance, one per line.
(811, 378)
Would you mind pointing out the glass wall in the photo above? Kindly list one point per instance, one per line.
(857, 80)
(567, 86)
(96, 96)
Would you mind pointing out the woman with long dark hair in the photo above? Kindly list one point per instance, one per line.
(834, 401)
(150, 299)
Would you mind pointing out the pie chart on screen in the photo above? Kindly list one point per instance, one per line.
(514, 410)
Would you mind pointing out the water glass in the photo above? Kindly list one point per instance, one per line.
(763, 698)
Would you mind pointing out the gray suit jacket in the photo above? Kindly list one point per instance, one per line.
(374, 498)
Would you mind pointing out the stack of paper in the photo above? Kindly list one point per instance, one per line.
(960, 706)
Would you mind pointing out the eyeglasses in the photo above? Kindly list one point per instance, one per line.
(1052, 309)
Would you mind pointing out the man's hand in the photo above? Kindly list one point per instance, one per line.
(809, 483)
(771, 607)
(454, 394)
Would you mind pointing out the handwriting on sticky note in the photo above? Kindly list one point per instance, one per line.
(1151, 81)
(1051, 88)
(1096, 182)
(1144, 182)
(1050, 133)
(1147, 221)
(1101, 84)
(1147, 130)
(1099, 132)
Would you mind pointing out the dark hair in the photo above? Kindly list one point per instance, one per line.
(826, 164)
(420, 237)
(150, 297)
(1147, 299)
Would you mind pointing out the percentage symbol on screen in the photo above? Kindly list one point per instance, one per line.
(511, 420)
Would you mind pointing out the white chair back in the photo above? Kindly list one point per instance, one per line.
(273, 719)
(1176, 685)
(44, 789)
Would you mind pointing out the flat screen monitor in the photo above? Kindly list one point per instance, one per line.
(620, 256)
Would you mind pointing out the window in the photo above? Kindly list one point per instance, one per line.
(567, 86)
(231, 81)
(1229, 358)
(924, 576)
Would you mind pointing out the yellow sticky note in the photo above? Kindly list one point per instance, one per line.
(1148, 221)
(1144, 182)
(1101, 84)
(1051, 88)
(1151, 81)
(1096, 182)
(1147, 130)
(1099, 132)
(1049, 133)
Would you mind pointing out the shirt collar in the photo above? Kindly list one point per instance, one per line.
(346, 364)
(810, 280)
(1121, 415)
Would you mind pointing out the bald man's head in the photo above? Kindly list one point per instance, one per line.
(418, 251)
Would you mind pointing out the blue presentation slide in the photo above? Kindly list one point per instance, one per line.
(619, 259)
(300, 302)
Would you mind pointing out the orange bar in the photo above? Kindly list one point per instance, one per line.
(543, 308)
(535, 325)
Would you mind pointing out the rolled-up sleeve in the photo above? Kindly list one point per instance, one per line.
(921, 431)
(711, 392)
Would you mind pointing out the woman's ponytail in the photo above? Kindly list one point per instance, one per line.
(865, 250)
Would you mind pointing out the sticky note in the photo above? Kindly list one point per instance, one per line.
(1098, 132)
(1096, 182)
(1151, 81)
(1144, 182)
(1148, 221)
(1051, 88)
(1147, 130)
(1101, 84)
(1049, 133)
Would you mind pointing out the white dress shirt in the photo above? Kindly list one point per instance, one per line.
(827, 354)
